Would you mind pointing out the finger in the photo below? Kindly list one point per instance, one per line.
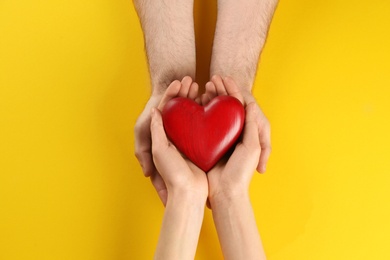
(171, 92)
(265, 144)
(159, 138)
(193, 93)
(211, 90)
(185, 86)
(205, 99)
(217, 80)
(142, 149)
(251, 132)
(160, 187)
(146, 161)
(264, 156)
(232, 89)
(198, 100)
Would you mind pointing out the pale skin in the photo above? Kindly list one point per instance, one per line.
(226, 186)
(186, 186)
(240, 34)
(168, 27)
(229, 184)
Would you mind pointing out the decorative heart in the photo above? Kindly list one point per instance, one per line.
(203, 133)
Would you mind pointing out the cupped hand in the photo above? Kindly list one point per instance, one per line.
(232, 177)
(143, 142)
(218, 86)
(181, 177)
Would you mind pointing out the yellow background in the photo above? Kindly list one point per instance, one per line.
(73, 79)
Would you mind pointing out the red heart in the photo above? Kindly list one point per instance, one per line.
(203, 133)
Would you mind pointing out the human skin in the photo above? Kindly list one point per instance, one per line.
(186, 186)
(170, 46)
(229, 187)
(187, 89)
(240, 34)
(169, 35)
(226, 186)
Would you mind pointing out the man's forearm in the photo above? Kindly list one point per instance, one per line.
(168, 28)
(241, 31)
(236, 227)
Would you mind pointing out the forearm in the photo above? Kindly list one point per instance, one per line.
(241, 31)
(169, 40)
(236, 227)
(180, 229)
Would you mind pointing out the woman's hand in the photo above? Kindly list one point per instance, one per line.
(181, 184)
(232, 177)
(143, 143)
(181, 177)
(229, 183)
(218, 86)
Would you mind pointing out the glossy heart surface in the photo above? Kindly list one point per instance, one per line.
(204, 133)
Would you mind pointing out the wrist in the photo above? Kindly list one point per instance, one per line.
(153, 101)
(161, 81)
(247, 95)
(186, 205)
(228, 196)
(155, 97)
(159, 89)
(189, 197)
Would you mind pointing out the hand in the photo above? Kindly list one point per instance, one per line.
(232, 178)
(185, 193)
(181, 177)
(234, 175)
(229, 197)
(218, 86)
(185, 88)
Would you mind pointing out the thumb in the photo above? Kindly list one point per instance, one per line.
(251, 133)
(159, 138)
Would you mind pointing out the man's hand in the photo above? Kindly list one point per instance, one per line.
(185, 88)
(142, 137)
(264, 131)
(218, 86)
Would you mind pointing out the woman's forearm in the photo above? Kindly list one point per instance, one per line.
(236, 227)
(180, 228)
